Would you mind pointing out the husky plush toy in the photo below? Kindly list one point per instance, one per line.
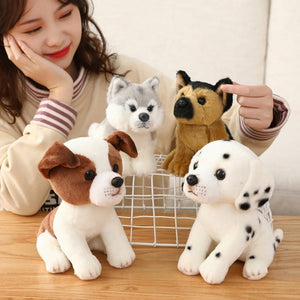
(233, 188)
(135, 109)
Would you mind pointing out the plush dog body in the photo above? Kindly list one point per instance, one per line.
(198, 110)
(232, 185)
(86, 174)
(135, 109)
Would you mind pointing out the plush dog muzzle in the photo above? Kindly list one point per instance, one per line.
(107, 189)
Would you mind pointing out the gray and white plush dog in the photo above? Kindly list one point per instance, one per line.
(135, 109)
(233, 186)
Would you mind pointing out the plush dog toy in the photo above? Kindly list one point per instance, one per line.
(86, 173)
(198, 110)
(135, 109)
(232, 186)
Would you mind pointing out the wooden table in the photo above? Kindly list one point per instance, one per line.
(153, 275)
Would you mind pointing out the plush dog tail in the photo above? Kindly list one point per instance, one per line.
(278, 237)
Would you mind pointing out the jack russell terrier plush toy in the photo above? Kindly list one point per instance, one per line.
(198, 109)
(232, 186)
(135, 109)
(86, 173)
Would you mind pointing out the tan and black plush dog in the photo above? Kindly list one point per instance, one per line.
(198, 110)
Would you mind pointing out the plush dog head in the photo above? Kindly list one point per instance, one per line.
(88, 169)
(200, 103)
(133, 106)
(227, 171)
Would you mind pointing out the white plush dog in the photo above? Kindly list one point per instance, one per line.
(231, 184)
(135, 109)
(86, 173)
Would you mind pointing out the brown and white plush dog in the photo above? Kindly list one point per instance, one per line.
(198, 110)
(86, 173)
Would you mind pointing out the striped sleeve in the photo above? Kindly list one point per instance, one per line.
(57, 115)
(281, 112)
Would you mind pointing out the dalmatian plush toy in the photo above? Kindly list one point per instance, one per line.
(233, 186)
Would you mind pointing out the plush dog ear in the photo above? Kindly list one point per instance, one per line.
(116, 85)
(153, 82)
(123, 142)
(182, 79)
(57, 155)
(258, 188)
(226, 97)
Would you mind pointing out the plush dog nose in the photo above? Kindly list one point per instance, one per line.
(117, 182)
(182, 102)
(143, 117)
(192, 180)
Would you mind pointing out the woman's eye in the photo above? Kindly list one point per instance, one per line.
(66, 14)
(33, 30)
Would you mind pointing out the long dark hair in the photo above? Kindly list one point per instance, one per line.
(91, 54)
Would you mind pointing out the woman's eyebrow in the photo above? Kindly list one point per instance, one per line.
(37, 19)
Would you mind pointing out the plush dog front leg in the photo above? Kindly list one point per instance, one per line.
(73, 243)
(215, 267)
(195, 250)
(119, 251)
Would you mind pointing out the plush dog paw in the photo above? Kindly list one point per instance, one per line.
(213, 273)
(188, 263)
(57, 263)
(87, 268)
(254, 269)
(178, 168)
(122, 259)
(144, 167)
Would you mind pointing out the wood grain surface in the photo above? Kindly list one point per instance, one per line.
(153, 275)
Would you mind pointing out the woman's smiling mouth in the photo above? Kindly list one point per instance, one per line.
(60, 53)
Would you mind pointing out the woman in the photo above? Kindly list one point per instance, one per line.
(54, 74)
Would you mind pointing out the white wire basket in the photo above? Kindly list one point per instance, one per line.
(155, 211)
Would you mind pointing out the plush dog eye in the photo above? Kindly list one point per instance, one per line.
(150, 108)
(115, 168)
(195, 165)
(202, 101)
(89, 175)
(220, 174)
(132, 108)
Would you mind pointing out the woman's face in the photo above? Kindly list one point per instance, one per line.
(51, 29)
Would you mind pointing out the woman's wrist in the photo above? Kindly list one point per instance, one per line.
(62, 93)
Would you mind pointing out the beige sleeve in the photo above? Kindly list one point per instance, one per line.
(257, 140)
(22, 188)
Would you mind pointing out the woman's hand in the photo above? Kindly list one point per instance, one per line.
(40, 70)
(256, 104)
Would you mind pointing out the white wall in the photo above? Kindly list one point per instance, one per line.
(212, 39)
(208, 39)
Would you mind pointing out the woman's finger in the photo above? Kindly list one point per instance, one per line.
(247, 90)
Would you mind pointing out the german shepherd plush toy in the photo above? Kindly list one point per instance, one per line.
(198, 110)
